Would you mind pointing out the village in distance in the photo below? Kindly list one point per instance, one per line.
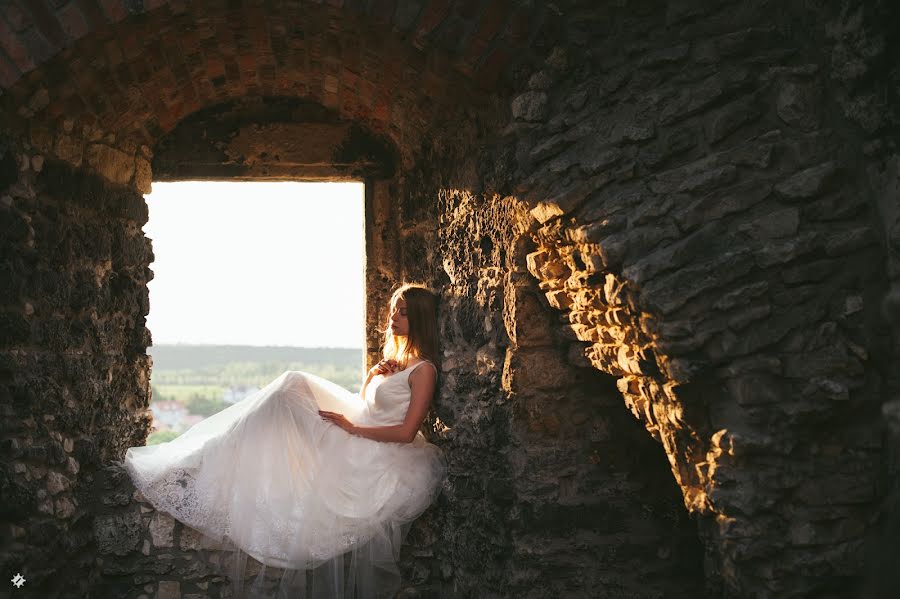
(192, 382)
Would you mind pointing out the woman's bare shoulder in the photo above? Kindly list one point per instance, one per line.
(413, 364)
(422, 373)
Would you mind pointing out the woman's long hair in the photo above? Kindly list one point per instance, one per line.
(421, 312)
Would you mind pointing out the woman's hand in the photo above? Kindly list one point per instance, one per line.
(384, 367)
(338, 419)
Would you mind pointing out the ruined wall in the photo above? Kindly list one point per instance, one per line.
(686, 210)
(73, 373)
(708, 227)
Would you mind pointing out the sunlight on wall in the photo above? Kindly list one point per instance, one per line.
(257, 263)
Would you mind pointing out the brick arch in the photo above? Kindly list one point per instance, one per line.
(273, 138)
(123, 77)
(480, 38)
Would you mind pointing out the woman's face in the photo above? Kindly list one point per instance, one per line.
(399, 321)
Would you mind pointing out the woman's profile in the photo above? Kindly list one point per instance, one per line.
(319, 483)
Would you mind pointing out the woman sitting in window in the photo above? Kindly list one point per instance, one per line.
(308, 478)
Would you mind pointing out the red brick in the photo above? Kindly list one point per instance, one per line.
(156, 104)
(382, 111)
(247, 62)
(205, 90)
(167, 122)
(349, 78)
(366, 88)
(223, 37)
(351, 108)
(164, 81)
(283, 87)
(188, 94)
(330, 84)
(266, 70)
(260, 34)
(361, 113)
(215, 67)
(177, 111)
(192, 105)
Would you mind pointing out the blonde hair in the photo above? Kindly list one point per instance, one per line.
(421, 312)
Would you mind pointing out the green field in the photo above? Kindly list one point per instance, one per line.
(197, 376)
(206, 366)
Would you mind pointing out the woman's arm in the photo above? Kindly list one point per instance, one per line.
(421, 386)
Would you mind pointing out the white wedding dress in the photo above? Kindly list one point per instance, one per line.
(268, 477)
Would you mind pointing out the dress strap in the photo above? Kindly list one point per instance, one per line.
(417, 364)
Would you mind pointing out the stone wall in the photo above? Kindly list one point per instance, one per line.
(663, 256)
(73, 371)
(708, 228)
(142, 553)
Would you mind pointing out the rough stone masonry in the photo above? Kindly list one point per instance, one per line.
(666, 234)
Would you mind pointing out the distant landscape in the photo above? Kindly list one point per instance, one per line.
(192, 382)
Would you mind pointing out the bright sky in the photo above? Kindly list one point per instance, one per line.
(257, 263)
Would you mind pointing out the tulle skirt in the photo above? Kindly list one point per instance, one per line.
(267, 478)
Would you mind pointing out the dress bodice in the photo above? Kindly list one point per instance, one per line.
(387, 397)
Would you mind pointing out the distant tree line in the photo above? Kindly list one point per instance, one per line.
(197, 376)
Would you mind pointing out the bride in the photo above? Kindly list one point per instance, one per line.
(312, 481)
